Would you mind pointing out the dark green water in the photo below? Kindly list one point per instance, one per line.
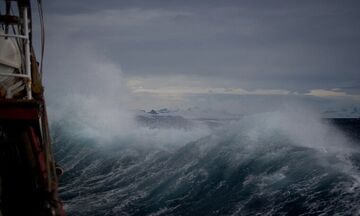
(246, 169)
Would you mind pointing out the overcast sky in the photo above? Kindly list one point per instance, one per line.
(168, 50)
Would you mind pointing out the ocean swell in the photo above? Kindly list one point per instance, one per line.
(269, 164)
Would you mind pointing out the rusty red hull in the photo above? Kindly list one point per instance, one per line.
(27, 168)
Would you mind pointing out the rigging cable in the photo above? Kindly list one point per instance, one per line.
(41, 16)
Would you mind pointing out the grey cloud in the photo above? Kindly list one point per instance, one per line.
(295, 45)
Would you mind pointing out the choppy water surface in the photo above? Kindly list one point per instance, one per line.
(260, 165)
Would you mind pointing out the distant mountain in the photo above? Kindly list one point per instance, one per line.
(153, 112)
(183, 119)
(164, 121)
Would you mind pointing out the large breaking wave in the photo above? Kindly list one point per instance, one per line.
(280, 163)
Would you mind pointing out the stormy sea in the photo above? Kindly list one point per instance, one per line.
(169, 163)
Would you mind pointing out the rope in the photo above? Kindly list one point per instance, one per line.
(41, 16)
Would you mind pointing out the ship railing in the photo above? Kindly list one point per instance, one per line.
(24, 74)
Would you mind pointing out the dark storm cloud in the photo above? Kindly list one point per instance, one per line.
(295, 45)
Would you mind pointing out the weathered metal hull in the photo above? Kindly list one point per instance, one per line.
(27, 168)
(28, 178)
